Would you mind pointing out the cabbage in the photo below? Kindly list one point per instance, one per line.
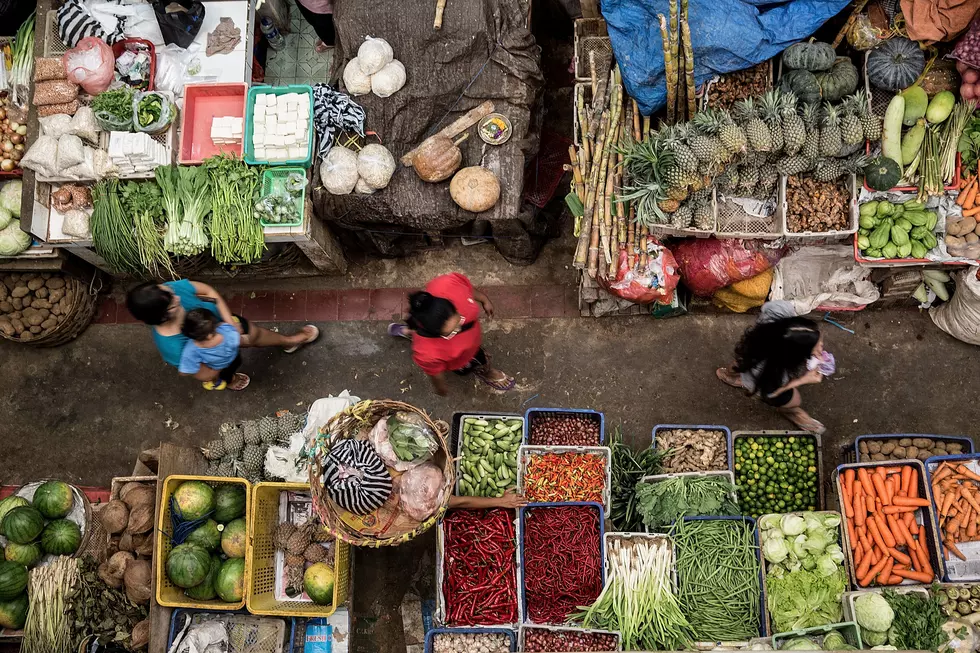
(833, 641)
(872, 613)
(10, 197)
(13, 241)
(813, 521)
(775, 549)
(769, 522)
(883, 648)
(809, 563)
(816, 542)
(800, 644)
(873, 637)
(831, 521)
(799, 546)
(792, 525)
(829, 563)
(6, 217)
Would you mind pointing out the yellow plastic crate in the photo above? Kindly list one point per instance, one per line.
(260, 591)
(167, 593)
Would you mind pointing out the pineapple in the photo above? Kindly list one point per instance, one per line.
(294, 560)
(732, 136)
(768, 176)
(770, 113)
(213, 468)
(829, 169)
(727, 181)
(298, 541)
(871, 124)
(252, 457)
(701, 195)
(233, 438)
(851, 131)
(226, 468)
(830, 136)
(250, 429)
(681, 218)
(674, 177)
(268, 429)
(811, 145)
(294, 580)
(748, 178)
(315, 553)
(678, 193)
(755, 129)
(704, 217)
(668, 205)
(794, 131)
(794, 165)
(214, 450)
(705, 144)
(672, 139)
(282, 534)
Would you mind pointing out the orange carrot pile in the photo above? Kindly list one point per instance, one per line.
(955, 489)
(887, 545)
(968, 196)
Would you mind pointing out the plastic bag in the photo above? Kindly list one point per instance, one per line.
(84, 125)
(70, 151)
(154, 112)
(179, 27)
(654, 282)
(378, 437)
(84, 169)
(863, 35)
(90, 65)
(967, 48)
(48, 68)
(50, 109)
(76, 223)
(960, 316)
(42, 156)
(56, 91)
(56, 125)
(707, 264)
(930, 21)
(421, 491)
(410, 437)
(177, 67)
(825, 278)
(743, 295)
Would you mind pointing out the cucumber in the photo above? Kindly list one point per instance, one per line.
(891, 131)
(912, 142)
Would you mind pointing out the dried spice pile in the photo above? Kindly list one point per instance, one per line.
(817, 205)
(741, 84)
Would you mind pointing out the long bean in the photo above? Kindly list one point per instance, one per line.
(113, 232)
(718, 578)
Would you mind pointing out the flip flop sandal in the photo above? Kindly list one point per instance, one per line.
(397, 330)
(316, 334)
(723, 376)
(211, 385)
(503, 385)
(239, 378)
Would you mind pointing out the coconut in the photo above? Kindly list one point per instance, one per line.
(126, 542)
(115, 582)
(139, 496)
(129, 487)
(140, 519)
(140, 637)
(145, 548)
(475, 189)
(137, 581)
(118, 562)
(114, 516)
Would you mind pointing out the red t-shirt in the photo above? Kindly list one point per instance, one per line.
(437, 355)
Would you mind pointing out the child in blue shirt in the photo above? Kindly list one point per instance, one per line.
(213, 343)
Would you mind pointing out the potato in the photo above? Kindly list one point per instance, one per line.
(877, 457)
(56, 295)
(35, 329)
(863, 447)
(19, 291)
(4, 293)
(43, 312)
(922, 443)
(40, 303)
(939, 446)
(6, 307)
(17, 303)
(972, 238)
(904, 442)
(874, 446)
(899, 452)
(6, 328)
(954, 448)
(865, 457)
(16, 314)
(18, 325)
(911, 451)
(10, 282)
(34, 284)
(27, 276)
(55, 282)
(49, 323)
(27, 336)
(35, 320)
(41, 293)
(924, 454)
(28, 312)
(888, 447)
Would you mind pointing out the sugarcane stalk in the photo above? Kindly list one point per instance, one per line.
(670, 74)
(582, 249)
(605, 233)
(675, 50)
(600, 100)
(578, 179)
(593, 74)
(688, 62)
(644, 257)
(440, 9)
(583, 130)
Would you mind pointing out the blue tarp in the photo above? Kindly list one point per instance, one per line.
(727, 35)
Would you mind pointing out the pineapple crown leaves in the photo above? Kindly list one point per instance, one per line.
(644, 161)
(788, 102)
(831, 115)
(771, 103)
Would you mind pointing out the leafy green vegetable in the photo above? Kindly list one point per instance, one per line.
(969, 145)
(114, 109)
(627, 470)
(148, 110)
(666, 501)
(186, 203)
(832, 641)
(800, 644)
(872, 612)
(236, 235)
(112, 230)
(918, 624)
(144, 202)
(803, 599)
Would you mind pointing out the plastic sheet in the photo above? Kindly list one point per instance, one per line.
(90, 64)
(707, 264)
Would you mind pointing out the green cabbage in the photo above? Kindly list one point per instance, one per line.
(873, 637)
(10, 197)
(792, 525)
(872, 613)
(6, 217)
(775, 549)
(833, 640)
(13, 241)
(800, 644)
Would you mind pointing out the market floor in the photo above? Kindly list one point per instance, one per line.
(82, 412)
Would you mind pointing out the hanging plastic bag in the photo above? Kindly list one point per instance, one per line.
(90, 64)
(645, 284)
(153, 111)
(181, 25)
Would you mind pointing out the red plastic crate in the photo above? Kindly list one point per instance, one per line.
(94, 494)
(912, 189)
(202, 102)
(120, 46)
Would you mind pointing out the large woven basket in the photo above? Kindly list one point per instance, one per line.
(80, 312)
(387, 526)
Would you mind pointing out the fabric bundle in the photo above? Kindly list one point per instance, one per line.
(355, 477)
(334, 112)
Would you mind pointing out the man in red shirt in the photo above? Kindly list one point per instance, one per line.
(444, 327)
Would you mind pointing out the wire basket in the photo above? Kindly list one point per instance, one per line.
(376, 529)
(274, 183)
(246, 633)
(590, 37)
(735, 221)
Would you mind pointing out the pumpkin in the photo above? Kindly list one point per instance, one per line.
(895, 64)
(839, 81)
(803, 84)
(813, 56)
(438, 158)
(882, 174)
(475, 189)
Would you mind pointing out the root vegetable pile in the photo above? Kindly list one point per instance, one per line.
(554, 477)
(562, 561)
(739, 85)
(956, 492)
(559, 641)
(883, 513)
(470, 643)
(565, 430)
(819, 206)
(33, 305)
(693, 450)
(718, 578)
(480, 568)
(904, 448)
(776, 474)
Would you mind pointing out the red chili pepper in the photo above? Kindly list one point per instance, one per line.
(553, 477)
(480, 568)
(562, 561)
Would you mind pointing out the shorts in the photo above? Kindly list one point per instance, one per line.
(246, 327)
(478, 361)
(778, 401)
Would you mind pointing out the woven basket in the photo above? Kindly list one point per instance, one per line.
(77, 318)
(350, 424)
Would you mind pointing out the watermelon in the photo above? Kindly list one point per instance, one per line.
(229, 502)
(205, 590)
(13, 613)
(230, 581)
(233, 538)
(26, 554)
(188, 565)
(13, 579)
(54, 499)
(318, 583)
(11, 502)
(206, 536)
(61, 537)
(22, 525)
(194, 499)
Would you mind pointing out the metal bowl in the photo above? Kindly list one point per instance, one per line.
(495, 129)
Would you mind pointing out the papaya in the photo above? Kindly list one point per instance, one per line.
(899, 236)
(940, 107)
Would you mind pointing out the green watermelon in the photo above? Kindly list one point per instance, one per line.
(195, 500)
(205, 590)
(26, 554)
(54, 499)
(13, 613)
(61, 537)
(188, 565)
(229, 502)
(318, 582)
(233, 538)
(13, 579)
(11, 502)
(22, 524)
(230, 582)
(206, 536)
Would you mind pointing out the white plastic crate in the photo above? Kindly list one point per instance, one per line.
(763, 220)
(525, 452)
(819, 237)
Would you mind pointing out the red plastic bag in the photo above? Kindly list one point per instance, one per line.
(90, 64)
(645, 284)
(707, 264)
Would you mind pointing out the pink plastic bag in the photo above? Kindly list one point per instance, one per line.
(707, 264)
(90, 64)
(640, 284)
(421, 491)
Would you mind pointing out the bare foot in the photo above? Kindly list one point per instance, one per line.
(496, 379)
(239, 381)
(729, 377)
(308, 334)
(803, 420)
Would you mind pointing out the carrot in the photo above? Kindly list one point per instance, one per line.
(914, 484)
(906, 478)
(898, 510)
(891, 486)
(893, 527)
(859, 507)
(865, 479)
(880, 489)
(941, 473)
(964, 196)
(971, 196)
(865, 542)
(923, 556)
(954, 549)
(965, 493)
(849, 476)
(870, 501)
(900, 557)
(909, 501)
(866, 579)
(886, 573)
(946, 505)
(971, 530)
(884, 531)
(971, 211)
(876, 534)
(851, 535)
(919, 576)
(962, 469)
(847, 496)
(894, 579)
(858, 555)
(864, 566)
(906, 535)
(875, 555)
(953, 525)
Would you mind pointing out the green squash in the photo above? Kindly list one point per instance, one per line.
(841, 80)
(813, 56)
(882, 174)
(803, 84)
(895, 64)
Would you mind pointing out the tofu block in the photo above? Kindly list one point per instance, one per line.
(303, 108)
(297, 152)
(289, 116)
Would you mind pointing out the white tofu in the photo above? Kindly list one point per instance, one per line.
(289, 116)
(303, 108)
(297, 152)
(270, 140)
(302, 126)
(260, 99)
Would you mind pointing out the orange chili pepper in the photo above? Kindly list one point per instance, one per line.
(568, 476)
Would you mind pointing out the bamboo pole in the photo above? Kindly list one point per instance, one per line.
(644, 257)
(688, 62)
(670, 73)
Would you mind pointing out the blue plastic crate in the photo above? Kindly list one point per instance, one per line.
(966, 441)
(520, 542)
(930, 464)
(531, 413)
(763, 628)
(177, 621)
(249, 148)
(711, 427)
(429, 636)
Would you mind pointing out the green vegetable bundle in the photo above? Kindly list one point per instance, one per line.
(236, 235)
(186, 205)
(112, 230)
(627, 470)
(918, 622)
(664, 502)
